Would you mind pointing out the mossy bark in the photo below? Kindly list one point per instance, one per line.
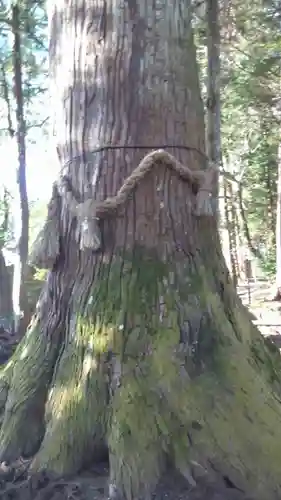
(163, 363)
(27, 377)
(143, 347)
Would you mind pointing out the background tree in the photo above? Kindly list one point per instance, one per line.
(213, 84)
(250, 67)
(278, 229)
(22, 43)
(6, 305)
(21, 216)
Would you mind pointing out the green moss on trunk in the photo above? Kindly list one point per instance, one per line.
(155, 370)
(76, 411)
(28, 375)
(199, 397)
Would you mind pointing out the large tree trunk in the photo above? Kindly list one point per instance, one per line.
(139, 343)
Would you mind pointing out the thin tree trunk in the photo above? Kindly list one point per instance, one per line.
(213, 87)
(278, 230)
(139, 344)
(7, 289)
(238, 236)
(21, 214)
(233, 227)
(229, 228)
(6, 304)
(255, 251)
(6, 309)
(271, 199)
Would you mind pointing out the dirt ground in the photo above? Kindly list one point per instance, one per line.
(257, 297)
(93, 484)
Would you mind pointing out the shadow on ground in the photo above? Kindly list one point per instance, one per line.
(93, 485)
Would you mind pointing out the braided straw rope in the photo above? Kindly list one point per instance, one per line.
(46, 248)
(99, 209)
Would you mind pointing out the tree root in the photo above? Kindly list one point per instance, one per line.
(41, 486)
(76, 411)
(25, 384)
(153, 372)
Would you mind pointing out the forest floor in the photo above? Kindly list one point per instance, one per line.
(93, 484)
(257, 297)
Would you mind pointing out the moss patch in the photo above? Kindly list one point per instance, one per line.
(154, 370)
(28, 375)
(76, 411)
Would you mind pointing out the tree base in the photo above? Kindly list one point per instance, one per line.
(160, 368)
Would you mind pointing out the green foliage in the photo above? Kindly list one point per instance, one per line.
(269, 265)
(250, 124)
(33, 32)
(4, 217)
(250, 97)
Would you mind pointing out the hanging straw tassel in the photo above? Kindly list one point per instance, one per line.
(90, 235)
(204, 197)
(46, 248)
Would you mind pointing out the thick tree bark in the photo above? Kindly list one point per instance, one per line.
(140, 346)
